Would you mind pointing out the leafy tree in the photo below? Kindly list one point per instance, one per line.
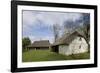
(25, 42)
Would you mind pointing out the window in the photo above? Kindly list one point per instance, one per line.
(80, 38)
(80, 47)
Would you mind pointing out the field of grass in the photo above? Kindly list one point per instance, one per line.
(46, 55)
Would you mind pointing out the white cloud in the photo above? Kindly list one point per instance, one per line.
(28, 18)
(31, 18)
(48, 18)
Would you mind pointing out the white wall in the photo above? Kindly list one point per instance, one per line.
(64, 49)
(5, 37)
(73, 47)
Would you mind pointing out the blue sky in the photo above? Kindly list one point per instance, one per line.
(37, 25)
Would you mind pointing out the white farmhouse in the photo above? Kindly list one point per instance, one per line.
(70, 44)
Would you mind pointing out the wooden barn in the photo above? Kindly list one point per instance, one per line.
(42, 44)
(68, 44)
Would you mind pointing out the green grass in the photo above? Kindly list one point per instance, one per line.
(46, 55)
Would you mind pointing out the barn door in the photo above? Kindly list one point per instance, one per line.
(55, 49)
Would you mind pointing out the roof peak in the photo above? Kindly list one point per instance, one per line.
(41, 40)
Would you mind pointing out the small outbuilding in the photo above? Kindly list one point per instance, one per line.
(68, 44)
(42, 44)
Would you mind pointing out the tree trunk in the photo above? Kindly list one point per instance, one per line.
(88, 45)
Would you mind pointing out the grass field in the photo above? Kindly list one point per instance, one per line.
(46, 55)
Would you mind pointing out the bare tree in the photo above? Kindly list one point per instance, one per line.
(86, 29)
(70, 26)
(56, 31)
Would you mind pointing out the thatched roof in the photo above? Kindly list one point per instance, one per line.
(41, 43)
(67, 38)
